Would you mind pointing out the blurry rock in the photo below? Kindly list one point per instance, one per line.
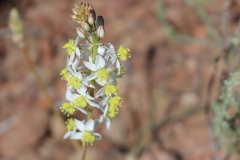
(160, 154)
(115, 133)
(154, 152)
(29, 129)
(51, 149)
(116, 155)
(30, 154)
(189, 99)
(57, 129)
(123, 3)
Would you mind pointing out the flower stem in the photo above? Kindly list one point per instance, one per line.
(94, 55)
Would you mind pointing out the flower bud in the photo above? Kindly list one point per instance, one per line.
(100, 21)
(85, 26)
(101, 32)
(81, 33)
(76, 19)
(90, 19)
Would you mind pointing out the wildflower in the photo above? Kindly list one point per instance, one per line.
(86, 134)
(65, 74)
(70, 48)
(100, 73)
(71, 127)
(81, 99)
(103, 67)
(104, 117)
(68, 107)
(122, 53)
(108, 90)
(114, 102)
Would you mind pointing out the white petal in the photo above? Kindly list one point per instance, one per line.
(68, 134)
(111, 47)
(101, 82)
(99, 93)
(82, 91)
(68, 94)
(75, 64)
(82, 110)
(103, 102)
(90, 59)
(79, 124)
(100, 62)
(118, 65)
(90, 66)
(92, 103)
(97, 136)
(91, 77)
(100, 119)
(89, 125)
(92, 86)
(89, 97)
(73, 132)
(87, 84)
(101, 50)
(108, 123)
(72, 57)
(78, 52)
(105, 110)
(77, 135)
(80, 67)
(79, 75)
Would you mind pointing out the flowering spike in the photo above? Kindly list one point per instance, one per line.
(101, 65)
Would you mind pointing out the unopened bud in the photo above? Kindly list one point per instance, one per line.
(16, 26)
(76, 19)
(90, 19)
(101, 32)
(100, 21)
(81, 33)
(85, 26)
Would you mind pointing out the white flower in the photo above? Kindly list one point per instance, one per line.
(71, 127)
(81, 100)
(86, 134)
(100, 72)
(76, 80)
(104, 117)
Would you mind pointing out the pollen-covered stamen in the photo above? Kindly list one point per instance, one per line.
(115, 101)
(70, 125)
(68, 107)
(112, 112)
(110, 89)
(74, 82)
(122, 53)
(88, 138)
(70, 48)
(65, 74)
(81, 101)
(103, 74)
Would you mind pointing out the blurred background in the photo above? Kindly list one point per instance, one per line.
(174, 76)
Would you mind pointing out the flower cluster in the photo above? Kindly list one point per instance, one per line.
(89, 64)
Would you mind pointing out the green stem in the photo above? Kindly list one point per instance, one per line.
(94, 55)
(95, 46)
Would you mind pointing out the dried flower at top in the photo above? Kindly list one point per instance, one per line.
(81, 12)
